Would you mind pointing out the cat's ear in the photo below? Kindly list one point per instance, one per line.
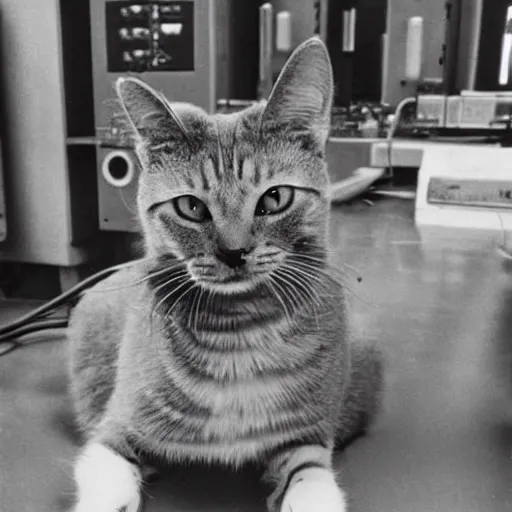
(302, 96)
(148, 112)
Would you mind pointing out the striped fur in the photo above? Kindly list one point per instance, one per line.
(185, 357)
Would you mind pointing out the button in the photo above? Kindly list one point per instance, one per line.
(171, 29)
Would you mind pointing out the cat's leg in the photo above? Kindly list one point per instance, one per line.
(363, 397)
(304, 481)
(106, 481)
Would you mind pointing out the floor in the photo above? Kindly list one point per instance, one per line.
(442, 311)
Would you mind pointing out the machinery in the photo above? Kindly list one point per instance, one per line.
(168, 44)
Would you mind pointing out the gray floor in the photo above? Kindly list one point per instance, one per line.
(443, 314)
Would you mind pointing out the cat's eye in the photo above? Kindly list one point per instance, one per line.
(191, 208)
(274, 200)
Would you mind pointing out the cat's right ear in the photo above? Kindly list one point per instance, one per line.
(302, 97)
(149, 114)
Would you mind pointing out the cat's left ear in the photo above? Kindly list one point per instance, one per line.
(148, 112)
(303, 94)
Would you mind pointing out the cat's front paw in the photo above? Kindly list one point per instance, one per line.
(106, 482)
(314, 490)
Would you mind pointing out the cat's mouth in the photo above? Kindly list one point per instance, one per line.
(221, 277)
(235, 278)
(227, 279)
(234, 281)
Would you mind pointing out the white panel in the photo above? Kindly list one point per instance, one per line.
(37, 191)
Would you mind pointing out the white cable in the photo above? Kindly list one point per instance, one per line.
(394, 126)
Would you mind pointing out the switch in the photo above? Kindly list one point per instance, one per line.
(136, 9)
(127, 12)
(140, 33)
(140, 54)
(170, 9)
(124, 33)
(171, 29)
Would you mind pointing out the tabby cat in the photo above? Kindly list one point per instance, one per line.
(228, 343)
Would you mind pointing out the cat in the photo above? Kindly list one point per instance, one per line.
(229, 342)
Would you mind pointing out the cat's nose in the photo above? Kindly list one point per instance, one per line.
(233, 258)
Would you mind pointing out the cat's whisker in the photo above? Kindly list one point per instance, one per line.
(301, 283)
(302, 298)
(176, 277)
(191, 311)
(149, 276)
(356, 273)
(314, 273)
(211, 294)
(325, 268)
(170, 293)
(305, 275)
(319, 274)
(197, 308)
(325, 272)
(167, 314)
(171, 309)
(284, 286)
(312, 304)
(321, 282)
(278, 297)
(180, 277)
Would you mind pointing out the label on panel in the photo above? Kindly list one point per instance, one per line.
(468, 192)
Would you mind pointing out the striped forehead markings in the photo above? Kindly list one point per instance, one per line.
(204, 168)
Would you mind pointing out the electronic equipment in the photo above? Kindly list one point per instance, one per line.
(465, 187)
(170, 44)
(354, 32)
(469, 110)
(494, 44)
(50, 192)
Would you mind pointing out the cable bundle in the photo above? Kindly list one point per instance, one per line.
(37, 320)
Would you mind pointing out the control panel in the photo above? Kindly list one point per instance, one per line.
(149, 36)
(171, 46)
(468, 192)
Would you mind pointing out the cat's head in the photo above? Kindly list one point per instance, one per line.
(236, 195)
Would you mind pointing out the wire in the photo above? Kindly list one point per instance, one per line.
(34, 327)
(36, 320)
(9, 342)
(394, 126)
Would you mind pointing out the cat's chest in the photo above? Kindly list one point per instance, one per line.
(234, 394)
(241, 374)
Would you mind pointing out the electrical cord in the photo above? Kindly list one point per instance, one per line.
(394, 126)
(37, 320)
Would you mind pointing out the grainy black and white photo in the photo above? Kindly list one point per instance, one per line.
(255, 255)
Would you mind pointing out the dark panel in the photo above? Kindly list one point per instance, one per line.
(83, 192)
(370, 25)
(489, 52)
(243, 69)
(156, 36)
(451, 47)
(342, 68)
(77, 66)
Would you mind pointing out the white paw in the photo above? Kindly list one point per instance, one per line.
(314, 490)
(106, 481)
